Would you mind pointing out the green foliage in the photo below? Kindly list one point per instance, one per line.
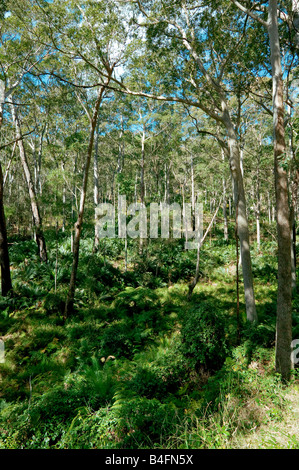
(204, 336)
(144, 422)
(134, 366)
(54, 302)
(159, 370)
(21, 252)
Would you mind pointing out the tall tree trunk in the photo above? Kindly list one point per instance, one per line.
(142, 166)
(166, 180)
(39, 161)
(40, 240)
(293, 227)
(142, 185)
(96, 183)
(258, 229)
(225, 224)
(293, 250)
(284, 291)
(258, 200)
(242, 222)
(63, 196)
(294, 175)
(78, 225)
(74, 200)
(192, 183)
(269, 208)
(6, 285)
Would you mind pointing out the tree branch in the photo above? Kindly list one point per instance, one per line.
(249, 13)
(17, 139)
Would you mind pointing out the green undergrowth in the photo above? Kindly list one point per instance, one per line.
(137, 365)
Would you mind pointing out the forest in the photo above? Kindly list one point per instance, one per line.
(148, 224)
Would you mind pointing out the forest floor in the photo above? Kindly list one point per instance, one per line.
(138, 365)
(275, 435)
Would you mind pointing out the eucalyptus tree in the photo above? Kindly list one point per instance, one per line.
(191, 63)
(6, 284)
(19, 54)
(211, 164)
(284, 292)
(89, 39)
(39, 235)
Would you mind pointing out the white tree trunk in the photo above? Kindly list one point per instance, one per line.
(241, 218)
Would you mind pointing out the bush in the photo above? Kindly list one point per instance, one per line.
(143, 423)
(54, 302)
(204, 340)
(159, 370)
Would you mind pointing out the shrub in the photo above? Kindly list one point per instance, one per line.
(160, 369)
(144, 422)
(204, 340)
(54, 302)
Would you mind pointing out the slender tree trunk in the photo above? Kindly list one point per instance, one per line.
(39, 161)
(6, 285)
(269, 208)
(166, 180)
(241, 161)
(40, 240)
(242, 222)
(78, 225)
(74, 201)
(258, 229)
(293, 228)
(9, 165)
(96, 184)
(294, 174)
(284, 291)
(142, 185)
(142, 166)
(63, 197)
(294, 192)
(192, 183)
(293, 251)
(258, 203)
(225, 224)
(194, 282)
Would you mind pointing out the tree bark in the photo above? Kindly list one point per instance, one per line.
(142, 185)
(6, 284)
(258, 200)
(225, 224)
(96, 184)
(284, 291)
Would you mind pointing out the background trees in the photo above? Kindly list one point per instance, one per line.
(162, 101)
